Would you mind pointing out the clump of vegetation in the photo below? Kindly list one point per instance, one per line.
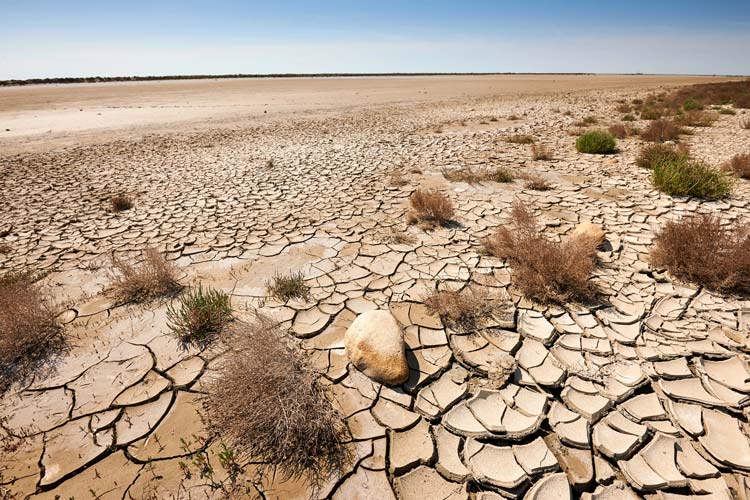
(695, 119)
(661, 131)
(199, 315)
(467, 174)
(5, 248)
(586, 121)
(701, 250)
(688, 177)
(121, 202)
(727, 111)
(739, 165)
(623, 108)
(30, 335)
(154, 277)
(430, 208)
(628, 118)
(399, 237)
(536, 183)
(463, 309)
(661, 153)
(270, 405)
(269, 164)
(596, 142)
(691, 104)
(544, 270)
(745, 123)
(650, 114)
(540, 152)
(621, 131)
(520, 139)
(285, 287)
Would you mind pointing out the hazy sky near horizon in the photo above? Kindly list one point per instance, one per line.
(47, 38)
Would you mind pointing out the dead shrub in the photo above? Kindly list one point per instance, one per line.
(739, 165)
(660, 153)
(696, 119)
(540, 152)
(661, 131)
(285, 287)
(5, 248)
(463, 309)
(120, 203)
(430, 208)
(701, 250)
(621, 131)
(535, 182)
(269, 405)
(30, 335)
(586, 121)
(623, 108)
(520, 139)
(399, 237)
(153, 277)
(544, 270)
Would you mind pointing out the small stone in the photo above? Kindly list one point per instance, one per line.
(375, 345)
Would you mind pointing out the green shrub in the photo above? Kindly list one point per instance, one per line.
(596, 142)
(628, 118)
(199, 315)
(687, 177)
(660, 153)
(650, 114)
(691, 104)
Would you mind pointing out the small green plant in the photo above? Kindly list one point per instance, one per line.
(500, 174)
(650, 114)
(287, 287)
(199, 315)
(687, 177)
(727, 111)
(586, 121)
(628, 118)
(596, 142)
(691, 104)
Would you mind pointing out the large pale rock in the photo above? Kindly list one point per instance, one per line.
(588, 230)
(375, 345)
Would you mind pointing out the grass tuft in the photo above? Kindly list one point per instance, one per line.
(154, 277)
(544, 270)
(596, 142)
(287, 287)
(701, 250)
(199, 315)
(270, 405)
(688, 177)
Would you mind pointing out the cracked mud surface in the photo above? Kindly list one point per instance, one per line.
(644, 395)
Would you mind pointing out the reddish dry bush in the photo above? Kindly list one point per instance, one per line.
(153, 277)
(465, 309)
(661, 131)
(430, 208)
(739, 165)
(29, 332)
(696, 119)
(701, 250)
(270, 406)
(618, 130)
(545, 270)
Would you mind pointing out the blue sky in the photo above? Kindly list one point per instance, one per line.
(136, 37)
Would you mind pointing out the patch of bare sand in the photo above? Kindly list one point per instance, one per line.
(44, 117)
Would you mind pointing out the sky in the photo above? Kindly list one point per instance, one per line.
(68, 38)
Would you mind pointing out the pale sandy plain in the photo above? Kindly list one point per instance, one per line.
(644, 396)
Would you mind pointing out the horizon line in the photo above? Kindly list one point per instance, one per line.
(139, 78)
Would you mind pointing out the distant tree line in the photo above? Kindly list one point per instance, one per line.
(98, 79)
